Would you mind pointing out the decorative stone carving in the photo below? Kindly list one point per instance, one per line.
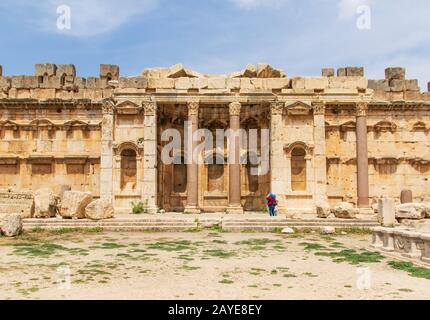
(193, 107)
(318, 107)
(108, 106)
(127, 107)
(277, 108)
(361, 109)
(234, 108)
(150, 107)
(307, 147)
(12, 202)
(298, 108)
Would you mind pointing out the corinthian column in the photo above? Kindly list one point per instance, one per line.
(279, 172)
(192, 164)
(320, 159)
(362, 156)
(235, 205)
(149, 188)
(106, 160)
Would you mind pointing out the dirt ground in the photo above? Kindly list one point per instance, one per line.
(200, 265)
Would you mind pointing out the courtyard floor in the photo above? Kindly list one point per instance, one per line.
(202, 265)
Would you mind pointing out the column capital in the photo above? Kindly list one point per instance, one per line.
(318, 107)
(150, 107)
(108, 105)
(361, 108)
(234, 108)
(193, 107)
(277, 108)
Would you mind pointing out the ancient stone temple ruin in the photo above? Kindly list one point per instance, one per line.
(333, 138)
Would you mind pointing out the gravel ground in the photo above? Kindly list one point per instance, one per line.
(200, 265)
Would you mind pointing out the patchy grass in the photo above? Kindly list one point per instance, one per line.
(219, 253)
(414, 271)
(109, 245)
(313, 246)
(352, 256)
(257, 242)
(406, 290)
(44, 249)
(171, 245)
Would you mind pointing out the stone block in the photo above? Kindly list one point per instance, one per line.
(94, 83)
(80, 82)
(217, 83)
(345, 210)
(67, 70)
(109, 72)
(316, 83)
(5, 84)
(396, 73)
(354, 71)
(45, 69)
(406, 196)
(11, 225)
(412, 85)
(412, 211)
(341, 72)
(397, 85)
(133, 82)
(55, 82)
(386, 212)
(74, 203)
(25, 82)
(12, 202)
(45, 203)
(280, 83)
(298, 83)
(233, 83)
(1, 71)
(379, 85)
(183, 83)
(161, 83)
(327, 72)
(199, 83)
(99, 209)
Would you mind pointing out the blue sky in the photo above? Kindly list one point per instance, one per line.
(217, 36)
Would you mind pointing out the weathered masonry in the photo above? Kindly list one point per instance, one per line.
(332, 138)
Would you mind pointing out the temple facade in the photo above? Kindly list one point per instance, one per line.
(331, 138)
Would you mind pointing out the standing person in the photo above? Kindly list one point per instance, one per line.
(271, 203)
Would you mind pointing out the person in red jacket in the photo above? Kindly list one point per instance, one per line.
(271, 203)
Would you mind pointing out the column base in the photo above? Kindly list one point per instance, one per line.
(192, 210)
(234, 210)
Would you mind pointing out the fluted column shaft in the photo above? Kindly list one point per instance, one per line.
(362, 157)
(192, 164)
(235, 205)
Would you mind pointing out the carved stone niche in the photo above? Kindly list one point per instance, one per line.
(385, 126)
(298, 108)
(345, 128)
(420, 126)
(309, 148)
(385, 165)
(128, 107)
(419, 164)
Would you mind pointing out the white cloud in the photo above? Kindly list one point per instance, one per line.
(252, 4)
(88, 18)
